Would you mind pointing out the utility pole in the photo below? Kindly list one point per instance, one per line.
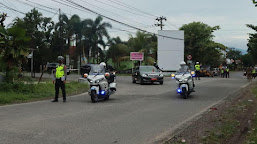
(160, 19)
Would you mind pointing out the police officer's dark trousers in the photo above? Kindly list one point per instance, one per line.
(59, 83)
(197, 75)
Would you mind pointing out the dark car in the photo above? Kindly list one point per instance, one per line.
(51, 67)
(85, 69)
(145, 74)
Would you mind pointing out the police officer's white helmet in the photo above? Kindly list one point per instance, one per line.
(103, 64)
(197, 63)
(182, 63)
(60, 58)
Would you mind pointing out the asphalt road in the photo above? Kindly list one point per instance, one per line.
(136, 114)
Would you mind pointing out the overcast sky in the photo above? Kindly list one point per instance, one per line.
(230, 15)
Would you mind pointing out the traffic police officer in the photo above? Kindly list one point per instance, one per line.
(222, 72)
(227, 72)
(60, 75)
(197, 70)
(254, 72)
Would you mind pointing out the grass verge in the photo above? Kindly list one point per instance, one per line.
(252, 136)
(11, 93)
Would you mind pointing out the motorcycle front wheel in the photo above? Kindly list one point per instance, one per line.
(94, 97)
(184, 93)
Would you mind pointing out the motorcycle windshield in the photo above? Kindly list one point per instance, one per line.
(97, 70)
(183, 70)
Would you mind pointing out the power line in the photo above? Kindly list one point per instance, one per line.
(132, 8)
(123, 9)
(99, 8)
(122, 23)
(34, 6)
(12, 9)
(42, 5)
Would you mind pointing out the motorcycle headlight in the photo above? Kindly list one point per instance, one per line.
(90, 80)
(161, 75)
(144, 75)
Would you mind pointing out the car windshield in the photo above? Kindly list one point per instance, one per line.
(148, 69)
(97, 70)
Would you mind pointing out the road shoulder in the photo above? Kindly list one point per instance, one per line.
(227, 122)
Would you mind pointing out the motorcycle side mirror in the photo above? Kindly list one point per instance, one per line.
(85, 75)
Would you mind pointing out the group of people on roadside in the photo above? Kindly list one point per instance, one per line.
(250, 73)
(224, 72)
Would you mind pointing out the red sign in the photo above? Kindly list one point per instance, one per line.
(137, 56)
(189, 57)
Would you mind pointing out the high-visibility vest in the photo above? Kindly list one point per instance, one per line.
(59, 71)
(227, 70)
(197, 67)
(222, 71)
(254, 71)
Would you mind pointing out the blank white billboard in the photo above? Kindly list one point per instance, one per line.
(170, 51)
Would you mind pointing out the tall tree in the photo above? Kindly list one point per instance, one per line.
(199, 41)
(252, 42)
(13, 48)
(40, 30)
(95, 31)
(146, 43)
(234, 54)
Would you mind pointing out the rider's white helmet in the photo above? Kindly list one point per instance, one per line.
(182, 63)
(103, 64)
(197, 63)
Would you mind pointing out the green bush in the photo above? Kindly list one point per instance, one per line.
(19, 92)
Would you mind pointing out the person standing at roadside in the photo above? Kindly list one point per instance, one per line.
(222, 72)
(254, 72)
(197, 70)
(227, 72)
(60, 75)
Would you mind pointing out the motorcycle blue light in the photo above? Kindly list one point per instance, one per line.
(179, 90)
(193, 75)
(102, 92)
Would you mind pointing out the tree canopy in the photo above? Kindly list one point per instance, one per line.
(199, 43)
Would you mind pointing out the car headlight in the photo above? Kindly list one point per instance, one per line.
(186, 79)
(144, 75)
(97, 81)
(161, 75)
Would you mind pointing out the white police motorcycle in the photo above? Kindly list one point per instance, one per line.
(185, 82)
(102, 84)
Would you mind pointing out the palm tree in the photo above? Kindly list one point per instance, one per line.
(95, 31)
(146, 43)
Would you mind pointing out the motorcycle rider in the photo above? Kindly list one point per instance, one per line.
(111, 71)
(184, 68)
(197, 70)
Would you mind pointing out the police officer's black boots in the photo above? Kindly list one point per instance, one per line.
(54, 100)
